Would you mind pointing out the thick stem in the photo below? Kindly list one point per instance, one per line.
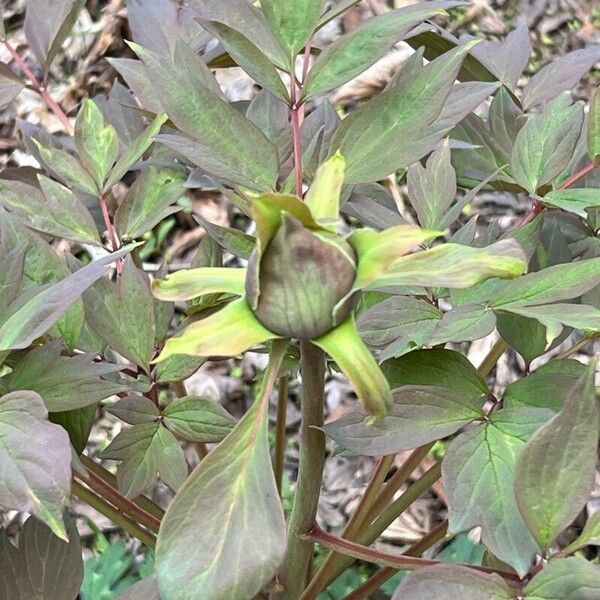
(280, 435)
(296, 138)
(143, 502)
(108, 510)
(299, 552)
(396, 561)
(489, 362)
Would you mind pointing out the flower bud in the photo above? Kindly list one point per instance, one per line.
(301, 277)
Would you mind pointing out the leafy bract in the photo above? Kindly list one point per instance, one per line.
(35, 460)
(555, 472)
(231, 502)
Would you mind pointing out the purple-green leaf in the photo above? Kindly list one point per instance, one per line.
(565, 579)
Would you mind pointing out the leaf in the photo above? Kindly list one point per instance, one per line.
(228, 332)
(122, 314)
(508, 58)
(293, 21)
(559, 282)
(233, 240)
(561, 74)
(432, 189)
(10, 85)
(37, 315)
(135, 151)
(225, 143)
(565, 579)
(356, 51)
(590, 536)
(455, 266)
(196, 419)
(97, 144)
(178, 367)
(67, 168)
(54, 210)
(436, 367)
(387, 133)
(147, 589)
(527, 336)
(191, 283)
(545, 144)
(505, 120)
(249, 57)
(47, 24)
(398, 320)
(478, 472)
(574, 200)
(43, 566)
(593, 126)
(554, 475)
(452, 581)
(148, 201)
(231, 501)
(148, 451)
(135, 409)
(77, 423)
(419, 415)
(559, 375)
(465, 323)
(35, 460)
(344, 345)
(64, 382)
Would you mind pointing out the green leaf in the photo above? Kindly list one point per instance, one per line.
(465, 323)
(122, 314)
(55, 210)
(43, 566)
(450, 581)
(67, 168)
(147, 589)
(196, 419)
(64, 382)
(148, 201)
(437, 367)
(391, 131)
(77, 423)
(574, 200)
(178, 367)
(135, 409)
(419, 415)
(590, 536)
(135, 151)
(559, 375)
(35, 460)
(565, 579)
(323, 196)
(242, 533)
(97, 144)
(559, 282)
(191, 283)
(545, 144)
(554, 475)
(455, 266)
(228, 332)
(37, 315)
(505, 120)
(245, 53)
(233, 240)
(293, 21)
(356, 51)
(527, 336)
(478, 472)
(148, 451)
(224, 143)
(10, 85)
(344, 345)
(593, 126)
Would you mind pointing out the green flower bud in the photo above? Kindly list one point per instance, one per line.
(295, 285)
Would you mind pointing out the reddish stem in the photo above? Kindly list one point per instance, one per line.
(396, 561)
(296, 137)
(538, 207)
(110, 231)
(40, 88)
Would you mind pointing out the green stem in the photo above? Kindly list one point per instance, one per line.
(280, 436)
(293, 571)
(108, 510)
(489, 362)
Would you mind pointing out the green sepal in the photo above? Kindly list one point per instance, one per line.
(352, 356)
(191, 283)
(228, 332)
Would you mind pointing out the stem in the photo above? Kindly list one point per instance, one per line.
(296, 136)
(40, 89)
(489, 362)
(142, 501)
(396, 561)
(378, 579)
(299, 552)
(280, 436)
(108, 510)
(575, 347)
